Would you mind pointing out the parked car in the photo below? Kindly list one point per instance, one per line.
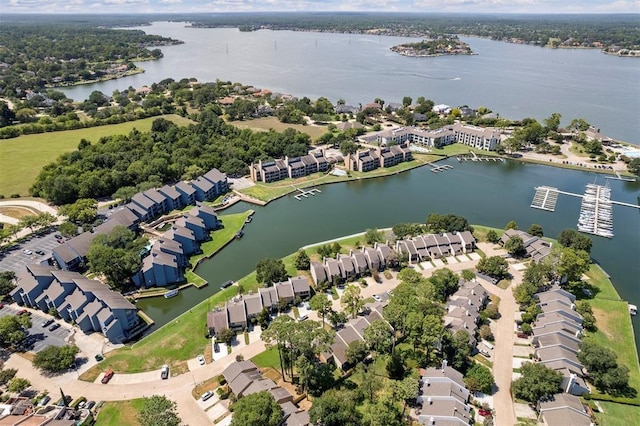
(484, 413)
(377, 298)
(303, 318)
(58, 236)
(60, 240)
(89, 405)
(99, 357)
(201, 360)
(23, 312)
(46, 322)
(54, 326)
(164, 373)
(523, 335)
(206, 395)
(45, 399)
(40, 252)
(27, 252)
(107, 376)
(485, 353)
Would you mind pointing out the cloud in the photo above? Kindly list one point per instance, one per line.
(170, 1)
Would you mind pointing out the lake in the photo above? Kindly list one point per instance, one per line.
(487, 193)
(513, 80)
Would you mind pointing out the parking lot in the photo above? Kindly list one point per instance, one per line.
(15, 259)
(40, 337)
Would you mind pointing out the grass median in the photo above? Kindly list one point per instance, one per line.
(116, 413)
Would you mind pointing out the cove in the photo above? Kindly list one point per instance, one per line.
(486, 193)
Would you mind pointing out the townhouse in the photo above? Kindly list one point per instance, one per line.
(237, 313)
(443, 397)
(371, 159)
(88, 303)
(294, 167)
(536, 248)
(563, 409)
(463, 309)
(556, 338)
(434, 246)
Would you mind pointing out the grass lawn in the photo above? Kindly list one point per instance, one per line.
(118, 413)
(22, 158)
(267, 123)
(618, 414)
(268, 358)
(480, 232)
(221, 237)
(615, 330)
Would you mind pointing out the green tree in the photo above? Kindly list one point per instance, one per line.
(158, 411)
(511, 225)
(369, 381)
(492, 236)
(226, 336)
(270, 271)
(458, 349)
(13, 329)
(574, 239)
(6, 375)
(552, 123)
(84, 210)
(634, 166)
(494, 266)
(17, 385)
(479, 379)
(54, 359)
(536, 382)
(356, 352)
(535, 230)
(569, 263)
(403, 230)
(68, 229)
(321, 303)
(6, 282)
(348, 147)
(468, 275)
(257, 409)
(396, 368)
(302, 261)
(373, 236)
(406, 101)
(379, 337)
(447, 223)
(352, 301)
(515, 246)
(336, 407)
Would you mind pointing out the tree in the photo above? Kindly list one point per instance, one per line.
(351, 300)
(569, 263)
(515, 246)
(447, 223)
(634, 166)
(257, 409)
(403, 230)
(336, 407)
(395, 367)
(17, 385)
(458, 349)
(314, 376)
(13, 329)
(485, 332)
(535, 230)
(356, 352)
(552, 123)
(445, 282)
(406, 101)
(226, 336)
(54, 359)
(337, 317)
(511, 225)
(574, 239)
(68, 229)
(348, 147)
(537, 381)
(6, 282)
(479, 379)
(494, 266)
(84, 210)
(467, 275)
(321, 303)
(158, 411)
(379, 336)
(373, 236)
(492, 236)
(271, 271)
(369, 381)
(579, 124)
(6, 375)
(302, 260)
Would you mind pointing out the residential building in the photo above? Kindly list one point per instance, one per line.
(185, 237)
(295, 167)
(205, 190)
(173, 197)
(563, 409)
(207, 214)
(218, 179)
(195, 224)
(187, 192)
(159, 269)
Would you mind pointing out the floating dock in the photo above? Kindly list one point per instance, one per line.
(305, 193)
(620, 177)
(442, 168)
(596, 215)
(545, 198)
(475, 157)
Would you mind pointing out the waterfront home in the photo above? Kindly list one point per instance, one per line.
(217, 320)
(151, 207)
(159, 199)
(295, 167)
(535, 247)
(185, 237)
(218, 179)
(284, 290)
(318, 272)
(89, 303)
(269, 298)
(301, 287)
(187, 192)
(363, 161)
(474, 136)
(443, 397)
(159, 269)
(237, 314)
(173, 197)
(195, 224)
(563, 409)
(171, 247)
(253, 305)
(563, 340)
(333, 270)
(205, 190)
(374, 262)
(561, 308)
(359, 261)
(347, 267)
(346, 109)
(207, 214)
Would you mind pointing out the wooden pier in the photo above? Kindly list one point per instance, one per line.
(305, 193)
(472, 156)
(442, 168)
(545, 198)
(620, 177)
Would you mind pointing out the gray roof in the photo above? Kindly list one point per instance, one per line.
(217, 320)
(203, 184)
(185, 187)
(236, 312)
(114, 300)
(253, 303)
(259, 386)
(154, 195)
(143, 200)
(300, 284)
(319, 271)
(284, 290)
(234, 369)
(169, 191)
(447, 372)
(215, 175)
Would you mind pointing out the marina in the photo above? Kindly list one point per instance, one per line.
(596, 216)
(545, 198)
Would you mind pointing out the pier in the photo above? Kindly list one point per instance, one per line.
(475, 157)
(620, 177)
(442, 168)
(545, 198)
(305, 193)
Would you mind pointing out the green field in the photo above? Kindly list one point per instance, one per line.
(22, 158)
(618, 414)
(268, 123)
(117, 413)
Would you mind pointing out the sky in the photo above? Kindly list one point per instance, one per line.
(213, 6)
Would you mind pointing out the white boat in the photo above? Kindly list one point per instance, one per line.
(633, 309)
(170, 294)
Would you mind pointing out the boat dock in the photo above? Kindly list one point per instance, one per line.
(475, 157)
(620, 177)
(305, 193)
(596, 216)
(442, 168)
(545, 198)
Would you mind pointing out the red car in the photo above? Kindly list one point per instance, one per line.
(523, 335)
(24, 312)
(484, 413)
(107, 376)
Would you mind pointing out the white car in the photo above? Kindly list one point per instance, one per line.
(201, 360)
(28, 252)
(377, 298)
(206, 395)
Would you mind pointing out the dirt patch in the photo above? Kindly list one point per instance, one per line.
(17, 212)
(604, 320)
